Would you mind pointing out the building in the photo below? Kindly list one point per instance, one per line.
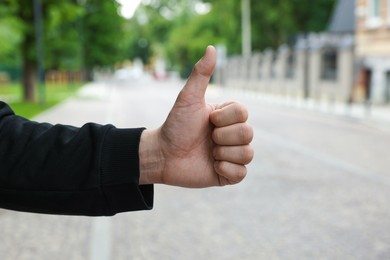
(350, 62)
(372, 36)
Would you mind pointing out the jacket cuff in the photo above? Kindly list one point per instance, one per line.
(120, 172)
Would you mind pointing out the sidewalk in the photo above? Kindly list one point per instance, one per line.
(357, 111)
(378, 115)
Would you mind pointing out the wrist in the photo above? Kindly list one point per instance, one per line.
(151, 158)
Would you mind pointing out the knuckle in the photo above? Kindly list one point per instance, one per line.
(246, 133)
(219, 167)
(241, 113)
(247, 154)
(232, 172)
(218, 153)
(200, 69)
(216, 118)
(217, 136)
(241, 173)
(196, 68)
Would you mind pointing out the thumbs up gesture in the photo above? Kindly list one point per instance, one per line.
(199, 144)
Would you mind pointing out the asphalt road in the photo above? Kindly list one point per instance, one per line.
(318, 188)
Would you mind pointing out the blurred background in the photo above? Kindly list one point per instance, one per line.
(315, 76)
(69, 40)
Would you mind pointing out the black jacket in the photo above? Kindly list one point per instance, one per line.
(58, 169)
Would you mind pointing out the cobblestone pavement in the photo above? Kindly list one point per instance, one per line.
(318, 188)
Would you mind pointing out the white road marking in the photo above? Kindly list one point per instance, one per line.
(101, 239)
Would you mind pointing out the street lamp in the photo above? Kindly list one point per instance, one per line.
(246, 27)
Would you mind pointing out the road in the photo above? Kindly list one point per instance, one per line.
(318, 188)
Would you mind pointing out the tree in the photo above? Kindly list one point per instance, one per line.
(63, 48)
(274, 22)
(10, 37)
(90, 33)
(173, 29)
(150, 28)
(21, 12)
(76, 34)
(102, 34)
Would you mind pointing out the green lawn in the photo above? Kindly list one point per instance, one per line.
(55, 93)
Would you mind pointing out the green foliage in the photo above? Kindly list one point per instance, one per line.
(62, 34)
(90, 33)
(182, 34)
(275, 22)
(173, 30)
(10, 36)
(76, 33)
(102, 33)
(188, 41)
(147, 31)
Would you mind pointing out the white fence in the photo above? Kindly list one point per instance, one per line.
(319, 66)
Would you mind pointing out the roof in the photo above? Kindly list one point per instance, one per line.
(343, 17)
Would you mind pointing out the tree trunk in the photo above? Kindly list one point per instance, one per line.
(28, 74)
(25, 14)
(89, 74)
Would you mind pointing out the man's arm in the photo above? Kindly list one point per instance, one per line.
(92, 170)
(96, 170)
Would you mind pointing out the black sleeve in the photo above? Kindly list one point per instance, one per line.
(92, 170)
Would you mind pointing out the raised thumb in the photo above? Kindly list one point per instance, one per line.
(199, 79)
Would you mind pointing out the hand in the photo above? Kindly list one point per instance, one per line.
(199, 144)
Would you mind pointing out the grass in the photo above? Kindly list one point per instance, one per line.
(55, 93)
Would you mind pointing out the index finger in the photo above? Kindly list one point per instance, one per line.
(229, 114)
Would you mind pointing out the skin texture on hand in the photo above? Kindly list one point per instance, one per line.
(199, 145)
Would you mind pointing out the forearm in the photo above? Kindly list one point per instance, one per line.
(93, 170)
